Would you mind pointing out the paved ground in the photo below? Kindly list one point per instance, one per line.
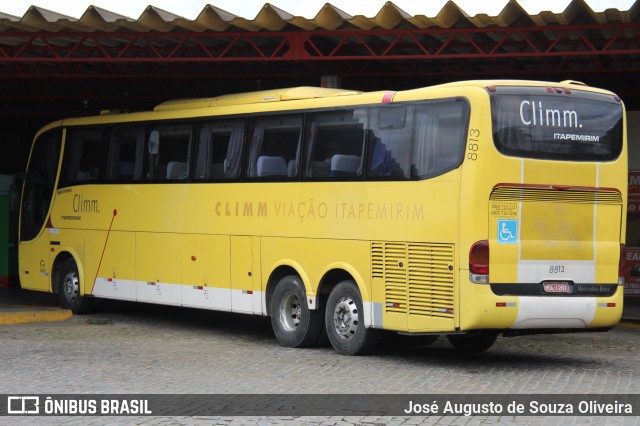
(126, 349)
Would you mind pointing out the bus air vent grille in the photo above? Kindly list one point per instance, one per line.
(551, 195)
(418, 277)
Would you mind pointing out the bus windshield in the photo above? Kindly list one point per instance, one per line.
(547, 124)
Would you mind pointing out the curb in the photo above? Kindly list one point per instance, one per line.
(11, 314)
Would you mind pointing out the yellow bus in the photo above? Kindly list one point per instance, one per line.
(471, 210)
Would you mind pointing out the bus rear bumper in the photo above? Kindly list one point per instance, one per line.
(484, 310)
(565, 312)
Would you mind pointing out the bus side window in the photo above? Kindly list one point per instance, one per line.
(335, 142)
(84, 158)
(219, 150)
(439, 141)
(168, 151)
(124, 163)
(274, 147)
(390, 140)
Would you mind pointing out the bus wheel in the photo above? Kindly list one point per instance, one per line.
(294, 324)
(344, 320)
(69, 289)
(472, 342)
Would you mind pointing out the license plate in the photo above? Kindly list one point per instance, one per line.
(556, 287)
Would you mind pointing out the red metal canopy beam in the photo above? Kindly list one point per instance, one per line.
(473, 43)
(74, 66)
(396, 44)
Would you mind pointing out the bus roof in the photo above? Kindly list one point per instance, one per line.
(269, 99)
(286, 94)
(308, 92)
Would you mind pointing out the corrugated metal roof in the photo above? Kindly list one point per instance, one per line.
(106, 57)
(271, 18)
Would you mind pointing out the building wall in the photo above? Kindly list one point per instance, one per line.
(633, 139)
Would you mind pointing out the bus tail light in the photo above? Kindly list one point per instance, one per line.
(479, 262)
(621, 265)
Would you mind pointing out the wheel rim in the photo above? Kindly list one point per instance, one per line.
(71, 286)
(346, 318)
(290, 311)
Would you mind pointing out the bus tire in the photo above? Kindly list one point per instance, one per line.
(69, 289)
(344, 320)
(294, 324)
(479, 342)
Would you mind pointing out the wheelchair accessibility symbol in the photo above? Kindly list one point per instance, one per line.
(507, 231)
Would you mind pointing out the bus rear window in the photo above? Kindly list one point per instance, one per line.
(575, 126)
